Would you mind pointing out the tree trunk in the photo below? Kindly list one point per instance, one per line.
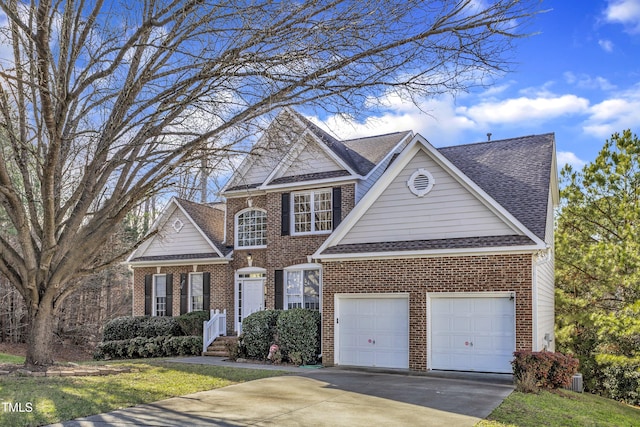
(40, 341)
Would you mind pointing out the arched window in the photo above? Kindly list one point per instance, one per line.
(251, 228)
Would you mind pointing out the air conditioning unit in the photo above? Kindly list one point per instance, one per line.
(576, 384)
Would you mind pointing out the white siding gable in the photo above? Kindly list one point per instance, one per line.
(544, 288)
(168, 241)
(311, 159)
(449, 210)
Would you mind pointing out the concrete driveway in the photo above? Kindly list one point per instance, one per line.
(323, 397)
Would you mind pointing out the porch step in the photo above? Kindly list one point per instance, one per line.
(218, 347)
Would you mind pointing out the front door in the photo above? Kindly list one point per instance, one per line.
(250, 298)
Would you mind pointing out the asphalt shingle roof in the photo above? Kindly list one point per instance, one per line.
(414, 245)
(515, 172)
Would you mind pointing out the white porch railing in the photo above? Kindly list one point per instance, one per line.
(215, 327)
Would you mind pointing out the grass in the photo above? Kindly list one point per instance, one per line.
(56, 399)
(561, 408)
(9, 358)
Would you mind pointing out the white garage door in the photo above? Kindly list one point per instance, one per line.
(373, 332)
(472, 334)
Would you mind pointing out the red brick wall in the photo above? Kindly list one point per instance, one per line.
(221, 292)
(282, 251)
(417, 276)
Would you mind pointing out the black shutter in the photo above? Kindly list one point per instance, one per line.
(184, 293)
(148, 294)
(286, 220)
(206, 291)
(169, 294)
(279, 290)
(337, 206)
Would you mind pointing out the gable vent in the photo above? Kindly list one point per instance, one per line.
(421, 182)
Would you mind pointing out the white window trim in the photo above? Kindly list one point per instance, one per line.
(235, 229)
(154, 311)
(190, 301)
(292, 222)
(302, 268)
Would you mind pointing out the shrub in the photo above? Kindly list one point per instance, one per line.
(622, 382)
(258, 330)
(142, 347)
(129, 327)
(550, 370)
(299, 335)
(191, 323)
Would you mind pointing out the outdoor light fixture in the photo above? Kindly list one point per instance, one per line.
(249, 259)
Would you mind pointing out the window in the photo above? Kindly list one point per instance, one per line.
(251, 228)
(160, 295)
(312, 212)
(196, 292)
(303, 289)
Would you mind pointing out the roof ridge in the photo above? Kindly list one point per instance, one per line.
(378, 136)
(498, 140)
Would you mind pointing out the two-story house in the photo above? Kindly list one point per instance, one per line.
(418, 258)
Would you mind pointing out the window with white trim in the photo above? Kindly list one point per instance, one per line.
(302, 289)
(251, 228)
(160, 295)
(196, 292)
(312, 212)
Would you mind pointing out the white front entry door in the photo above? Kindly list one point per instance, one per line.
(250, 298)
(472, 333)
(373, 331)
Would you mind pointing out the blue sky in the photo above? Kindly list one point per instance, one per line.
(578, 77)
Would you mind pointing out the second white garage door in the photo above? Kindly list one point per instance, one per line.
(372, 331)
(472, 333)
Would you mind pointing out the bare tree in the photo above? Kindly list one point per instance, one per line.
(102, 101)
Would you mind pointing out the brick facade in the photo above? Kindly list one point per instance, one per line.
(221, 294)
(417, 277)
(281, 251)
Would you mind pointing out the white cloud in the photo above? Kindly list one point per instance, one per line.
(525, 109)
(567, 157)
(614, 114)
(606, 45)
(585, 81)
(626, 12)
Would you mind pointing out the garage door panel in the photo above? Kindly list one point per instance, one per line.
(472, 333)
(373, 332)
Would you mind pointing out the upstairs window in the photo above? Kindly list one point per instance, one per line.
(312, 212)
(251, 228)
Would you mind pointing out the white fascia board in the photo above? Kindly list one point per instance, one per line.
(555, 188)
(309, 184)
(389, 154)
(480, 194)
(244, 193)
(209, 242)
(160, 221)
(178, 262)
(428, 253)
(327, 150)
(418, 143)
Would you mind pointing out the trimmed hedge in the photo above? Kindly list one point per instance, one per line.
(126, 328)
(299, 335)
(296, 331)
(549, 370)
(258, 333)
(191, 323)
(142, 347)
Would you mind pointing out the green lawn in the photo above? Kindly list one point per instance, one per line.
(55, 399)
(8, 358)
(562, 408)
